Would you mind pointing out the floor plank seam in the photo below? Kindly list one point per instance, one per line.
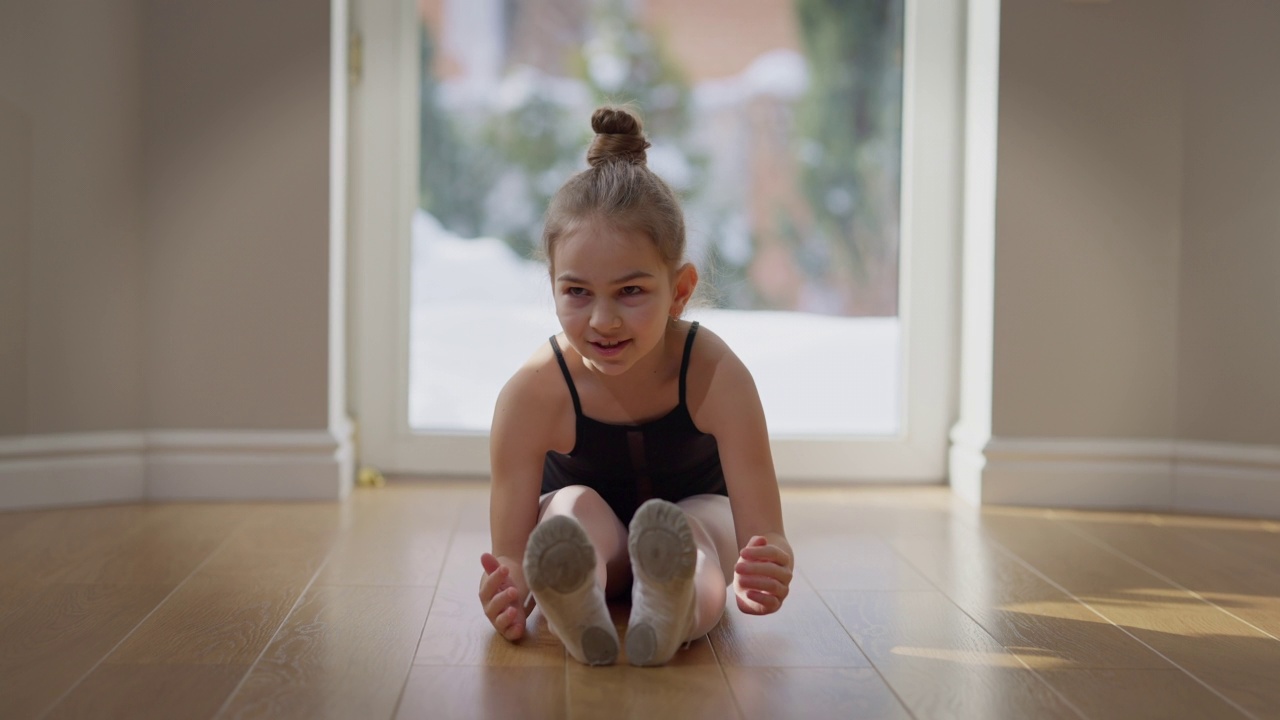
(1099, 542)
(212, 553)
(724, 675)
(1035, 673)
(435, 593)
(564, 673)
(404, 683)
(1212, 544)
(1017, 558)
(978, 623)
(283, 622)
(894, 691)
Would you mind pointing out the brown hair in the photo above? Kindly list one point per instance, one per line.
(619, 189)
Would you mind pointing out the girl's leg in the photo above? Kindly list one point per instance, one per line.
(711, 520)
(566, 564)
(607, 534)
(681, 556)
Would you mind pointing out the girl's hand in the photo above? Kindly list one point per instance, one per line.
(501, 599)
(762, 577)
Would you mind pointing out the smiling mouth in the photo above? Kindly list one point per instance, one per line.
(614, 345)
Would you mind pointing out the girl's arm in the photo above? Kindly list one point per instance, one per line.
(731, 411)
(518, 446)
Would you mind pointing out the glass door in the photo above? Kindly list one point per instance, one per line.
(787, 129)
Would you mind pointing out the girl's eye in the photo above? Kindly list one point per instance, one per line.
(632, 290)
(575, 291)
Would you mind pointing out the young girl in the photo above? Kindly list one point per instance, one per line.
(630, 450)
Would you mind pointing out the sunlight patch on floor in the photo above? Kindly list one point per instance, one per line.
(1035, 659)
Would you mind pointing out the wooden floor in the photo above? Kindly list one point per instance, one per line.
(907, 604)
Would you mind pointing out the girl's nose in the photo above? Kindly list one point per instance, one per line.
(605, 317)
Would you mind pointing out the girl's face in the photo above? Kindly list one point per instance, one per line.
(614, 294)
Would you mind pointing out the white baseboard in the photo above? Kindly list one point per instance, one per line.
(965, 475)
(1227, 479)
(1117, 474)
(71, 469)
(248, 465)
(83, 468)
(1156, 475)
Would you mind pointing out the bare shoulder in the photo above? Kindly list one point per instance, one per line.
(719, 384)
(534, 405)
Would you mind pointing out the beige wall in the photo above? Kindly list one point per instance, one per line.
(15, 241)
(1087, 219)
(70, 270)
(164, 215)
(1137, 290)
(1229, 312)
(235, 184)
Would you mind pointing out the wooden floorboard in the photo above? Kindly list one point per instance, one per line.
(1017, 606)
(766, 693)
(60, 634)
(481, 692)
(344, 652)
(692, 686)
(906, 604)
(803, 633)
(458, 633)
(1235, 659)
(1140, 694)
(165, 546)
(54, 542)
(1244, 586)
(150, 692)
(939, 661)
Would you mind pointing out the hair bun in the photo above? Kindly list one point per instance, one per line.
(619, 137)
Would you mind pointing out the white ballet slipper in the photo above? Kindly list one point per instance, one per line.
(663, 560)
(559, 565)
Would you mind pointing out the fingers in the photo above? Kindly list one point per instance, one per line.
(494, 582)
(505, 598)
(501, 599)
(754, 602)
(766, 577)
(764, 584)
(762, 577)
(781, 573)
(761, 552)
(510, 623)
(504, 612)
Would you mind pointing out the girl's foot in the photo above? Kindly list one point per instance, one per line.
(663, 560)
(559, 565)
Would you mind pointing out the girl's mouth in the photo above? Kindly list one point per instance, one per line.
(610, 348)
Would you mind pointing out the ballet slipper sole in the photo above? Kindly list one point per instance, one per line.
(559, 560)
(664, 557)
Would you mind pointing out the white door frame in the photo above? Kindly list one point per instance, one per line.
(384, 194)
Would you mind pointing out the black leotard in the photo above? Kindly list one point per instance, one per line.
(667, 458)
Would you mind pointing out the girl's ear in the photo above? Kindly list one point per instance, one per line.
(686, 281)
